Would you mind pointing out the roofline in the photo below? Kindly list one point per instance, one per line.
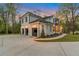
(36, 15)
(47, 17)
(31, 14)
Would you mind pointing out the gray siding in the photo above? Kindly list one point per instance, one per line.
(29, 19)
(49, 19)
(32, 18)
(47, 27)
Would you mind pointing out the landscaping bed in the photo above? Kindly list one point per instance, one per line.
(67, 38)
(51, 36)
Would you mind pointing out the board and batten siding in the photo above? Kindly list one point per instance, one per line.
(32, 18)
(49, 19)
(48, 29)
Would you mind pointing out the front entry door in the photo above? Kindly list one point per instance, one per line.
(34, 31)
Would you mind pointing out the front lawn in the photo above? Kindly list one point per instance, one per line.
(67, 38)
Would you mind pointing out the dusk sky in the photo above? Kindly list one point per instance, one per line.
(44, 8)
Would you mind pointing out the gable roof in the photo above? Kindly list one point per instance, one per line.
(36, 15)
(40, 19)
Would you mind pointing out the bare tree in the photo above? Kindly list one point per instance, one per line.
(70, 9)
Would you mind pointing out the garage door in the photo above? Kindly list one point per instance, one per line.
(34, 31)
(26, 31)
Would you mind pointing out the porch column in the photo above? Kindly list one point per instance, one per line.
(38, 30)
(30, 30)
(21, 31)
(24, 32)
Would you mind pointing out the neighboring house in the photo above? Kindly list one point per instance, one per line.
(32, 24)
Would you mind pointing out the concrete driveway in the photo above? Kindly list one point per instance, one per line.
(17, 45)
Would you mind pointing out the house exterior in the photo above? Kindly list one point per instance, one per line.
(32, 24)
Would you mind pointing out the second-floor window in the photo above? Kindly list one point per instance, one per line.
(22, 21)
(56, 21)
(50, 28)
(26, 19)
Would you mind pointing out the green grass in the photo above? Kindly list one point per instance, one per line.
(67, 38)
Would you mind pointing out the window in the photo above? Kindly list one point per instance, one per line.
(22, 21)
(50, 28)
(29, 18)
(26, 19)
(56, 21)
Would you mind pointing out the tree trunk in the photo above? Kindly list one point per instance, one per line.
(13, 23)
(73, 29)
(6, 24)
(67, 24)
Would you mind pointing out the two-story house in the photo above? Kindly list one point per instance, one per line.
(32, 24)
